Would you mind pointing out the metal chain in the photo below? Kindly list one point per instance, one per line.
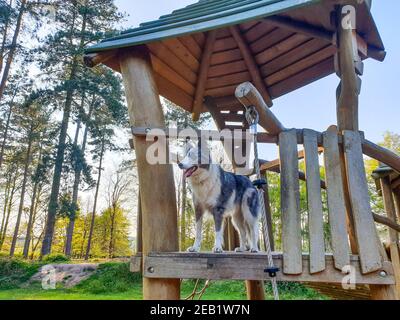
(252, 118)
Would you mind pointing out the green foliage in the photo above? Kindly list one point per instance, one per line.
(110, 278)
(55, 258)
(15, 272)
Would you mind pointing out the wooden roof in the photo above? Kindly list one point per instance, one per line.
(208, 48)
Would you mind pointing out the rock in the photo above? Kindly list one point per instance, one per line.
(69, 275)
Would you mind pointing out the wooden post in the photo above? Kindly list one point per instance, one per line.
(158, 202)
(388, 202)
(139, 242)
(347, 101)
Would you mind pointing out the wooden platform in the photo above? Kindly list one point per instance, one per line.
(248, 266)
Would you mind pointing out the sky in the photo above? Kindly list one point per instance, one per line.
(314, 106)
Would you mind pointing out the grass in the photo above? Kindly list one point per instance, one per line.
(114, 281)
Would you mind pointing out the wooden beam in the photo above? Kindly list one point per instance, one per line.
(93, 59)
(202, 75)
(290, 203)
(251, 64)
(381, 154)
(365, 230)
(243, 266)
(274, 164)
(158, 201)
(321, 33)
(348, 91)
(390, 209)
(248, 95)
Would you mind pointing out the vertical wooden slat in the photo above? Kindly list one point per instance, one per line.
(390, 209)
(314, 201)
(360, 201)
(336, 204)
(290, 203)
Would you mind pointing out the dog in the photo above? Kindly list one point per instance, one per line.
(221, 194)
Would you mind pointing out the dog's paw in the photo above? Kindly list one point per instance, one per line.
(240, 249)
(254, 250)
(193, 249)
(217, 250)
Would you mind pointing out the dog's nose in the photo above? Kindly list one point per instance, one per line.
(180, 165)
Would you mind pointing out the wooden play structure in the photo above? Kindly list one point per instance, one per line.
(222, 56)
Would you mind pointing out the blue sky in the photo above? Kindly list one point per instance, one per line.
(314, 106)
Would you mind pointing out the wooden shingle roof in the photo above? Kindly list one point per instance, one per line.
(214, 45)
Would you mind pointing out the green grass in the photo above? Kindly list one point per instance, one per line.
(114, 281)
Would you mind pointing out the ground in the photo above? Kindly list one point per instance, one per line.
(113, 281)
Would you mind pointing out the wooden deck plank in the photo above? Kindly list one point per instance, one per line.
(290, 203)
(248, 266)
(370, 257)
(336, 204)
(314, 201)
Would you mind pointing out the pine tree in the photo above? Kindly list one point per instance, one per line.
(79, 23)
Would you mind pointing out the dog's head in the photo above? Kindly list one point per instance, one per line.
(196, 159)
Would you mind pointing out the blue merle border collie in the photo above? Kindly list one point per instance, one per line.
(221, 194)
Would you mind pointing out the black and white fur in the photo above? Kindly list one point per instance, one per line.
(221, 194)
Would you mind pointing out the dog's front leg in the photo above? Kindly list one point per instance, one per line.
(199, 228)
(219, 229)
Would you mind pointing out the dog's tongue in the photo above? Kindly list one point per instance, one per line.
(189, 172)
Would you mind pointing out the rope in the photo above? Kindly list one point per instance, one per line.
(252, 118)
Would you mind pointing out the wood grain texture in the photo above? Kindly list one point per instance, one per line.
(158, 201)
(314, 202)
(203, 74)
(290, 203)
(244, 266)
(336, 204)
(360, 201)
(251, 64)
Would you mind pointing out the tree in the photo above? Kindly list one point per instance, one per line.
(105, 91)
(79, 23)
(117, 188)
(32, 119)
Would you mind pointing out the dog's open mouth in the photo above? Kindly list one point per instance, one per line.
(190, 171)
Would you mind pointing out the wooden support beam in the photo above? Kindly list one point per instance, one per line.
(248, 95)
(93, 59)
(387, 222)
(251, 64)
(323, 34)
(158, 201)
(243, 266)
(381, 154)
(390, 209)
(202, 75)
(346, 60)
(274, 164)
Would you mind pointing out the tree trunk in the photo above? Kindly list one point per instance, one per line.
(95, 202)
(13, 48)
(75, 192)
(6, 195)
(55, 189)
(3, 43)
(3, 144)
(23, 188)
(9, 208)
(29, 228)
(111, 244)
